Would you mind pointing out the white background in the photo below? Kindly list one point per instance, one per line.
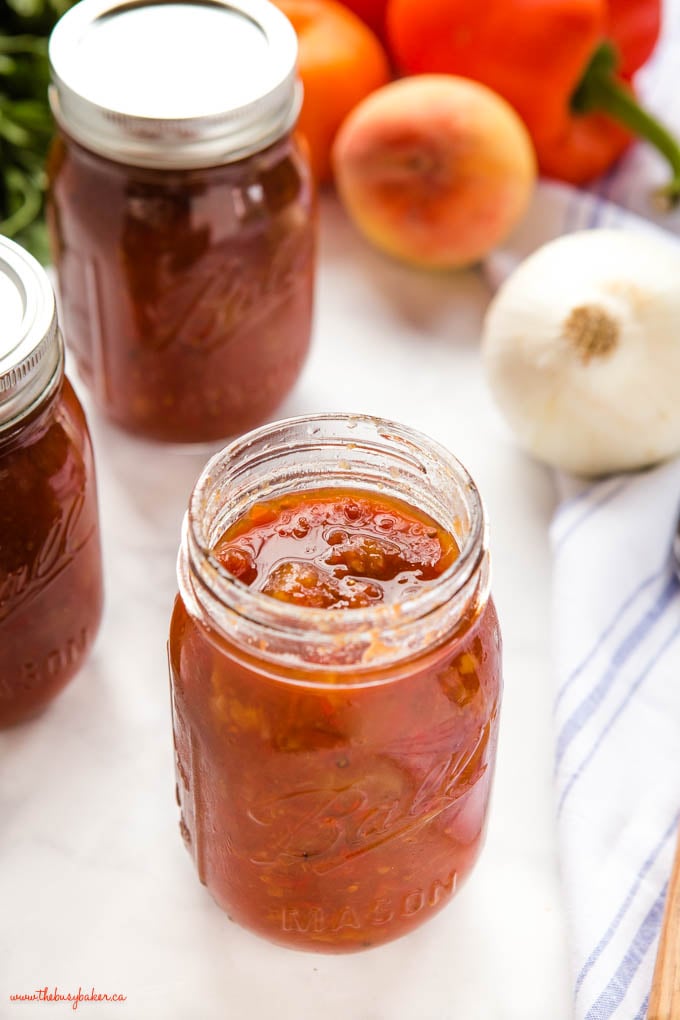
(95, 885)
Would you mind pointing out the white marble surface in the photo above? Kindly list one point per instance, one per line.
(95, 885)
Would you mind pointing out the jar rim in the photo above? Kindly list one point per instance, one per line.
(461, 580)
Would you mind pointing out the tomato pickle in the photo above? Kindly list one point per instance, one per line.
(336, 679)
(181, 212)
(50, 559)
(335, 549)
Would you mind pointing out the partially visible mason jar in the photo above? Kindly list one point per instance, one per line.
(334, 765)
(50, 561)
(181, 211)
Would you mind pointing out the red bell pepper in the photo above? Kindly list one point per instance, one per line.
(564, 65)
(633, 27)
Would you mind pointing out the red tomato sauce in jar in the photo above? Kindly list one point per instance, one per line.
(187, 297)
(329, 549)
(181, 212)
(50, 566)
(339, 805)
(50, 559)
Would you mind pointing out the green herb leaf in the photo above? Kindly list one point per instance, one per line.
(26, 124)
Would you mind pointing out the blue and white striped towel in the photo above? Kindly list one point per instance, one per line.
(617, 755)
(616, 640)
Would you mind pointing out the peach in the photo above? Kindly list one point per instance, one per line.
(435, 170)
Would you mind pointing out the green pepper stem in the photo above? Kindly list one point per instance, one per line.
(601, 91)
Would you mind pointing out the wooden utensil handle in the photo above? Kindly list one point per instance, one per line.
(664, 998)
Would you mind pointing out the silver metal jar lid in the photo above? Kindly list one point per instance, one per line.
(31, 349)
(174, 83)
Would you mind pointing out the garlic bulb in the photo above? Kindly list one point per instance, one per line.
(581, 345)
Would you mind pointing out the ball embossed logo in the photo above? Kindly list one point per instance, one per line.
(327, 827)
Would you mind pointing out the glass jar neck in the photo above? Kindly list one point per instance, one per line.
(347, 452)
(230, 172)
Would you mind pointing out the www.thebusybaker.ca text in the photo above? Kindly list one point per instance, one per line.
(54, 995)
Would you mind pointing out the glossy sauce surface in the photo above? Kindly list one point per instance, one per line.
(328, 814)
(50, 560)
(186, 295)
(336, 549)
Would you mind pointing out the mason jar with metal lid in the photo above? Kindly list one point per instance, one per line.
(50, 561)
(181, 211)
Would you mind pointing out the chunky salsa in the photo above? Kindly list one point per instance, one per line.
(331, 549)
(186, 294)
(336, 811)
(50, 565)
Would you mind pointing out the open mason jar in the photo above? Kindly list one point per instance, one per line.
(334, 767)
(181, 211)
(50, 558)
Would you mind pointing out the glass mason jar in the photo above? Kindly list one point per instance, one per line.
(181, 211)
(333, 768)
(50, 563)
